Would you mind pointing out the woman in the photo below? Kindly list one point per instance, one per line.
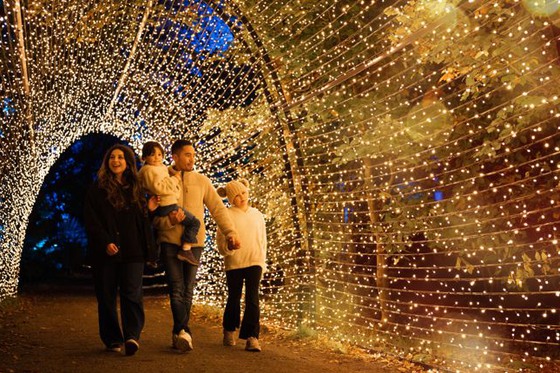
(120, 240)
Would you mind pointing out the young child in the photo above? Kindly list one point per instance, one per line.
(155, 178)
(243, 263)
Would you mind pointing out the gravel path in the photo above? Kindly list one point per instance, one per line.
(57, 332)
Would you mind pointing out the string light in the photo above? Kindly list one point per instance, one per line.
(406, 154)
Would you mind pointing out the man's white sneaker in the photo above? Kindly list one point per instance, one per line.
(183, 341)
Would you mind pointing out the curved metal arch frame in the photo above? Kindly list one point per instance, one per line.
(287, 137)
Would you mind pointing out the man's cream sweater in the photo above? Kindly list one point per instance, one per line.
(197, 192)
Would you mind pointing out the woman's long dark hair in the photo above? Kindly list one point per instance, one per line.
(107, 180)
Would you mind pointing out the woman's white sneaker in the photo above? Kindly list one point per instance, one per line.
(130, 347)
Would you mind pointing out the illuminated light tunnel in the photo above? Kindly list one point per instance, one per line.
(405, 153)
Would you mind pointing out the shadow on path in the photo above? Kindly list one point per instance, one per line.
(57, 332)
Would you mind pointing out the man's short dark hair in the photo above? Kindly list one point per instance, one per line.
(180, 144)
(150, 147)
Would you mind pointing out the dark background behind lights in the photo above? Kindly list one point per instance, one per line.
(55, 243)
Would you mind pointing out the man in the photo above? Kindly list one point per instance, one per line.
(197, 193)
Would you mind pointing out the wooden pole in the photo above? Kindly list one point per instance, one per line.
(124, 74)
(24, 73)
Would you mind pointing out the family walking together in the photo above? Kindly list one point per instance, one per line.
(123, 208)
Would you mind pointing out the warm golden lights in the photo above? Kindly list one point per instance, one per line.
(406, 153)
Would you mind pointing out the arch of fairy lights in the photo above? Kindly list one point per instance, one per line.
(406, 153)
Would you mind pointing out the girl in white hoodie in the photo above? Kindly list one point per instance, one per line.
(245, 263)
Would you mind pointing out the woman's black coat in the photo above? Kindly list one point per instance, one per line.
(102, 229)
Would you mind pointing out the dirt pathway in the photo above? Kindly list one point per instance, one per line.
(58, 333)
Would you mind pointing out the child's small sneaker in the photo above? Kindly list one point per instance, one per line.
(229, 338)
(188, 256)
(253, 345)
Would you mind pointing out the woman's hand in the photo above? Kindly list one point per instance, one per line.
(153, 203)
(112, 249)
